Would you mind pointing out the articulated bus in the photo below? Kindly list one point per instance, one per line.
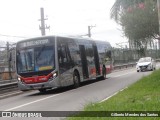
(50, 62)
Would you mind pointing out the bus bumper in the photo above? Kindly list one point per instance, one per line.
(48, 85)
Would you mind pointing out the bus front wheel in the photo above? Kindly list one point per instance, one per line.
(76, 80)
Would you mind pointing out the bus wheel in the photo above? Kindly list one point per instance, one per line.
(42, 90)
(76, 80)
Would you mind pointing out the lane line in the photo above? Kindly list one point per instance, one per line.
(113, 95)
(31, 102)
(108, 97)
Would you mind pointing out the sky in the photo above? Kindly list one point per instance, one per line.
(20, 19)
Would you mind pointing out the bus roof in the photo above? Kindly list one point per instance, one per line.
(72, 37)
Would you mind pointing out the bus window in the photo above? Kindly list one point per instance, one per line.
(108, 54)
(64, 57)
(44, 58)
(89, 54)
(25, 60)
(74, 52)
(61, 55)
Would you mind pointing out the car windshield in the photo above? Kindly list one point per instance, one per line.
(35, 59)
(144, 60)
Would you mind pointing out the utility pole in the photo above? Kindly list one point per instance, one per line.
(43, 26)
(8, 60)
(89, 30)
(158, 6)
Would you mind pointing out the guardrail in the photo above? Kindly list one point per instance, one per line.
(124, 66)
(7, 87)
(157, 60)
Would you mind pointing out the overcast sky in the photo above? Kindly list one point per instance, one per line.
(65, 17)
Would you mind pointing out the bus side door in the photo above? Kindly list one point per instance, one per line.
(65, 65)
(84, 61)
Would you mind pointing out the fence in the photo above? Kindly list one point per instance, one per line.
(7, 61)
(123, 56)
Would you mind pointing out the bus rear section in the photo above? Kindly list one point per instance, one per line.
(105, 57)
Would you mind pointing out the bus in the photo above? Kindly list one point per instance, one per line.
(50, 62)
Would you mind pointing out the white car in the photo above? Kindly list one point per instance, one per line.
(146, 63)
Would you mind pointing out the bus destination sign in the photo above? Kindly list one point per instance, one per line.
(33, 43)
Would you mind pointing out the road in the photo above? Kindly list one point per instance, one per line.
(68, 99)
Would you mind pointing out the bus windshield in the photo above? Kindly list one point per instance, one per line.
(35, 59)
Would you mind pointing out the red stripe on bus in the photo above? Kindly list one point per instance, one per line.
(93, 70)
(35, 79)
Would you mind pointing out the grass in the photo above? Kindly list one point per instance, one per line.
(144, 95)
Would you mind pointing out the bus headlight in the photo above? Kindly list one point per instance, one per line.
(55, 75)
(19, 78)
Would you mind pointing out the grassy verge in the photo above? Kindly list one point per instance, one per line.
(144, 95)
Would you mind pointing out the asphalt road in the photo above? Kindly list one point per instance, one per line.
(68, 99)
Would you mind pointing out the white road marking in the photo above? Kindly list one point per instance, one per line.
(113, 95)
(119, 90)
(31, 102)
(123, 89)
(108, 97)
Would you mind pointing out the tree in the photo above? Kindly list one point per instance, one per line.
(139, 20)
(122, 5)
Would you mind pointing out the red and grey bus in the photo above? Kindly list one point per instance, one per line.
(50, 62)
